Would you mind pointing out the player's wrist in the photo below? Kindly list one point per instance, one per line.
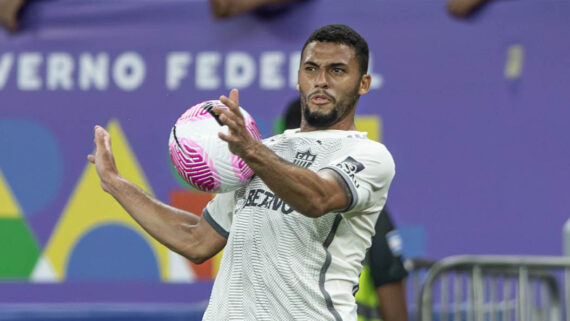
(253, 152)
(111, 182)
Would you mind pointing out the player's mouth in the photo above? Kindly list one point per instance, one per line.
(320, 98)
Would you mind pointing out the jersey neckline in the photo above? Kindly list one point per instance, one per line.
(327, 132)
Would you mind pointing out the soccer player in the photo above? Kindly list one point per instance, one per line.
(295, 236)
(9, 11)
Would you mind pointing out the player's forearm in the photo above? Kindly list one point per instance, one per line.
(169, 225)
(300, 188)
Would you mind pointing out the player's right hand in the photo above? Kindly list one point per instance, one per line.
(103, 158)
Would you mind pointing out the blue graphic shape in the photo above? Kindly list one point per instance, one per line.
(414, 240)
(31, 161)
(113, 252)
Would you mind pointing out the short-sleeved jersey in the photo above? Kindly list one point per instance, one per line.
(281, 265)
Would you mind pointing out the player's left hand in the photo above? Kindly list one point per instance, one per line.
(238, 138)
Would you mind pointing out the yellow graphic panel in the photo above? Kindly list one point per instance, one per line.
(370, 124)
(216, 264)
(8, 205)
(515, 62)
(90, 207)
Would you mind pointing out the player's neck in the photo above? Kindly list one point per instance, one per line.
(347, 123)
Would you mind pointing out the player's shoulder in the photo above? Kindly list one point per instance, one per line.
(367, 147)
(273, 139)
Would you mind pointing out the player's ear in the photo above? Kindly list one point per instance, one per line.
(298, 88)
(365, 82)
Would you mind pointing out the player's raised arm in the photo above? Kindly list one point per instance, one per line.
(181, 231)
(311, 194)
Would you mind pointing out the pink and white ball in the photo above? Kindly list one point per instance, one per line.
(200, 157)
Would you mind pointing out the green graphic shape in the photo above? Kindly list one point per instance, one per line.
(19, 251)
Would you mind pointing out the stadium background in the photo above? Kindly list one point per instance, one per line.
(475, 113)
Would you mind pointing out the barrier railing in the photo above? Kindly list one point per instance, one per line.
(491, 288)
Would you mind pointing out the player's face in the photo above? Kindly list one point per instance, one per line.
(330, 83)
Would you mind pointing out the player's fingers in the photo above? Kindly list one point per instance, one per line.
(226, 116)
(218, 110)
(224, 137)
(234, 96)
(232, 104)
(102, 138)
(91, 159)
(228, 121)
(107, 140)
(99, 136)
(228, 102)
(223, 114)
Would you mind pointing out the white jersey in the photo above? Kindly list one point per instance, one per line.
(281, 265)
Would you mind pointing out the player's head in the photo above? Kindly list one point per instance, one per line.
(342, 34)
(332, 76)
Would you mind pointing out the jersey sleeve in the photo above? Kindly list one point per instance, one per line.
(368, 173)
(219, 213)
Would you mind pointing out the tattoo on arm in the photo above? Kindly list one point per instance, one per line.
(340, 181)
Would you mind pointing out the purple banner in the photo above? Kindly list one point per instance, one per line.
(475, 113)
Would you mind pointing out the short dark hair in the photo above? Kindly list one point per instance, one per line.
(342, 34)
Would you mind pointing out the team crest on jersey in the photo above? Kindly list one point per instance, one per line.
(304, 159)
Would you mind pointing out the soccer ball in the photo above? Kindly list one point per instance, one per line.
(200, 157)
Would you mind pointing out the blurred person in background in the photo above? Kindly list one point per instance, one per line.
(9, 14)
(295, 236)
(10, 9)
(464, 8)
(230, 8)
(382, 292)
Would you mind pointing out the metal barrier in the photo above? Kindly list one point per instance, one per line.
(491, 288)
